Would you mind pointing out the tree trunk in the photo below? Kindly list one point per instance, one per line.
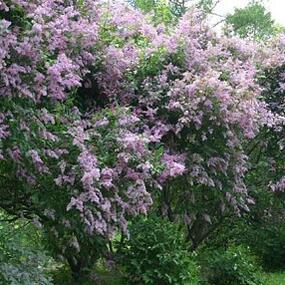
(77, 270)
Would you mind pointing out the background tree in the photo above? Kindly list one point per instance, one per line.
(177, 7)
(252, 21)
(161, 10)
(208, 5)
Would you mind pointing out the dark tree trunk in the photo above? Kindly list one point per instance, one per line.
(78, 270)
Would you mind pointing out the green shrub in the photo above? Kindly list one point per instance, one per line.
(156, 254)
(23, 260)
(265, 238)
(234, 266)
(268, 243)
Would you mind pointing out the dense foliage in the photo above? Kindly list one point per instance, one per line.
(252, 21)
(155, 241)
(23, 260)
(233, 266)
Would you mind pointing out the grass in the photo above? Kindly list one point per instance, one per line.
(275, 278)
(62, 276)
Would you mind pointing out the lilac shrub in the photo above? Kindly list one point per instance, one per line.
(78, 175)
(203, 103)
(273, 92)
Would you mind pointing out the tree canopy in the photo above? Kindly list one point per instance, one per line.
(253, 21)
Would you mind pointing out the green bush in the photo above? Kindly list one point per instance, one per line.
(234, 266)
(156, 254)
(23, 260)
(269, 244)
(265, 238)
